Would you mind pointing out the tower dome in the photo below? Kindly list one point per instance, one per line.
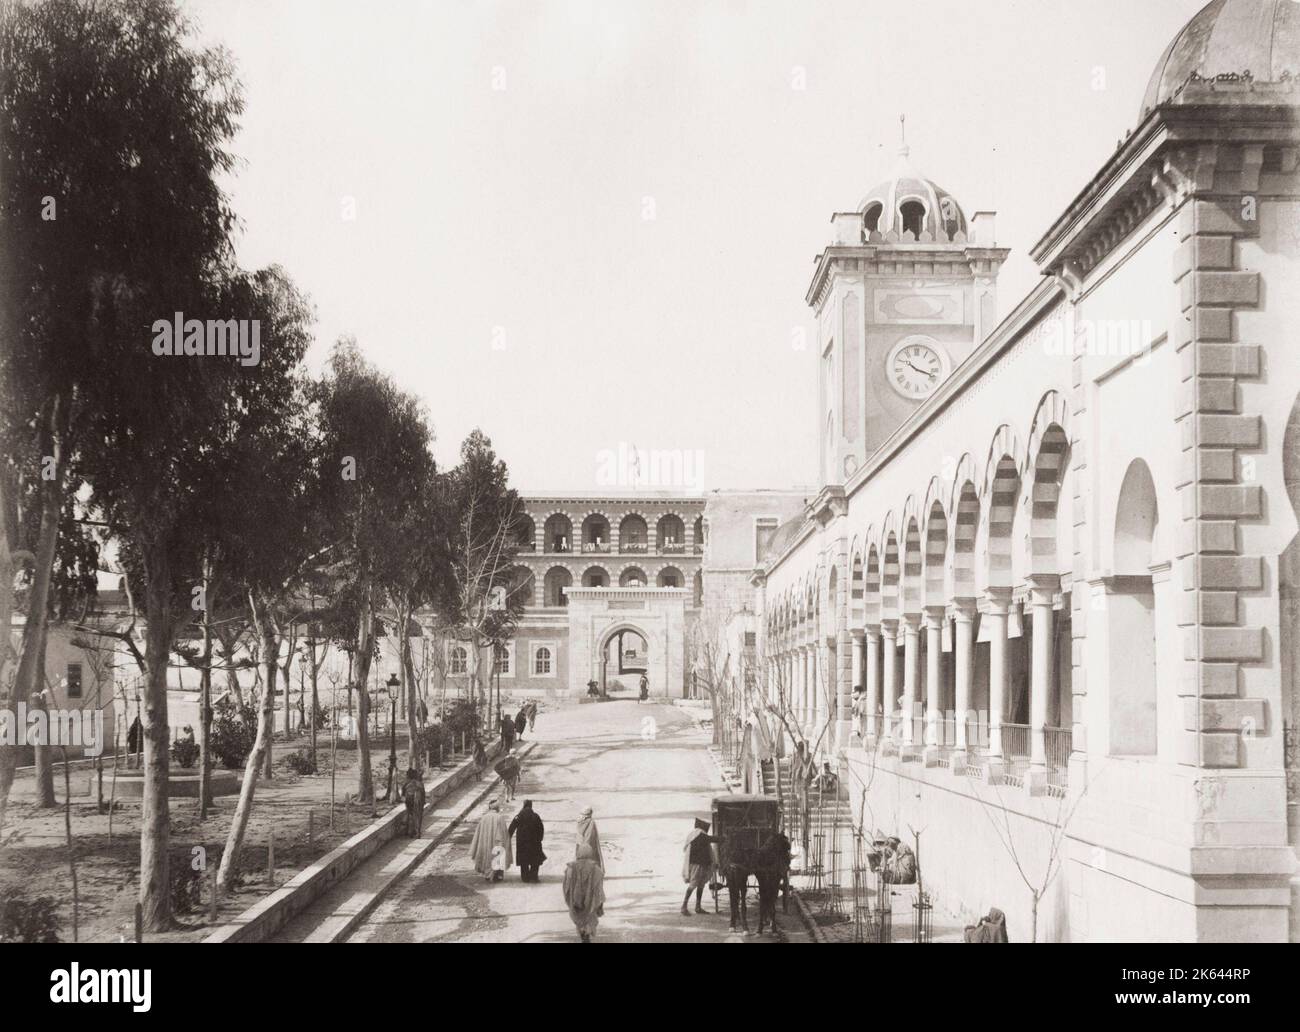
(908, 203)
(1256, 41)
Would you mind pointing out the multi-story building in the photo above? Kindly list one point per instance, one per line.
(1060, 553)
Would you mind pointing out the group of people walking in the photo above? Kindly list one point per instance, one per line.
(512, 728)
(584, 876)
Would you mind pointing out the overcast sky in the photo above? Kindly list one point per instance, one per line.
(580, 224)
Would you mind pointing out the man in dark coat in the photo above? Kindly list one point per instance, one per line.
(528, 830)
(507, 731)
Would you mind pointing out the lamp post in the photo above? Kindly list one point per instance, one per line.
(392, 685)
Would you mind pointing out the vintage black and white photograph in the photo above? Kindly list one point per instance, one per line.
(606, 471)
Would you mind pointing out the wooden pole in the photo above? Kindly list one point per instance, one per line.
(212, 894)
(270, 857)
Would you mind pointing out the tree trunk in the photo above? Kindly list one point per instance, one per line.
(31, 667)
(205, 703)
(8, 753)
(261, 750)
(315, 704)
(365, 650)
(155, 820)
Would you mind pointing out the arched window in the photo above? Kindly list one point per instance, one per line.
(595, 533)
(458, 662)
(632, 577)
(558, 533)
(557, 579)
(542, 661)
(1132, 600)
(913, 215)
(871, 217)
(699, 589)
(671, 533)
(501, 660)
(632, 534)
(595, 577)
(526, 531)
(670, 577)
(699, 534)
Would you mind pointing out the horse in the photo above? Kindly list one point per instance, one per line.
(770, 866)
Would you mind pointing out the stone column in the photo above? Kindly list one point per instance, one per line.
(872, 634)
(889, 643)
(963, 648)
(856, 645)
(1043, 680)
(933, 675)
(911, 641)
(996, 614)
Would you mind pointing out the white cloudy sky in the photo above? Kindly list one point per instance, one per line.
(522, 208)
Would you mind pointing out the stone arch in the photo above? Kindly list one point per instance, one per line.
(526, 536)
(595, 576)
(556, 580)
(668, 573)
(523, 584)
(670, 528)
(912, 565)
(1048, 456)
(631, 576)
(871, 598)
(633, 530)
(557, 532)
(965, 529)
(890, 578)
(857, 597)
(1000, 496)
(936, 553)
(596, 528)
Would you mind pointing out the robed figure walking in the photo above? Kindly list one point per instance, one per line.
(528, 829)
(584, 892)
(588, 835)
(490, 847)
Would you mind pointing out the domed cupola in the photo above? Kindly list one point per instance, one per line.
(908, 208)
(1229, 47)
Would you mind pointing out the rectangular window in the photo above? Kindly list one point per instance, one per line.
(74, 680)
(502, 659)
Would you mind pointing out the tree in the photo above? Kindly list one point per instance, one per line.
(376, 465)
(482, 520)
(115, 135)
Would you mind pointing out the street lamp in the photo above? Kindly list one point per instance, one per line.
(393, 684)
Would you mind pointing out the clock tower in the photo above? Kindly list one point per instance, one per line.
(902, 295)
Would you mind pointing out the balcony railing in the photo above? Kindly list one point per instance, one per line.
(1059, 743)
(633, 547)
(600, 547)
(699, 548)
(672, 548)
(556, 545)
(1015, 747)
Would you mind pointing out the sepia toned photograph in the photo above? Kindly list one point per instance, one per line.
(608, 471)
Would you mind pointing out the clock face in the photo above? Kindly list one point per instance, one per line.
(915, 368)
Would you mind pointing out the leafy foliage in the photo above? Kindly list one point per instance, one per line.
(234, 729)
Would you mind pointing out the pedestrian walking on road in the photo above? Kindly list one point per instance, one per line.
(490, 847)
(698, 864)
(528, 829)
(507, 727)
(521, 722)
(589, 837)
(584, 892)
(532, 714)
(509, 770)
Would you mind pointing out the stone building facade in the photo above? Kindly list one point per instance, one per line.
(1062, 560)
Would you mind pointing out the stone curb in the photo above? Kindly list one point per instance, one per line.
(271, 913)
(333, 930)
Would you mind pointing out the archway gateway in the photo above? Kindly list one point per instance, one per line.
(605, 617)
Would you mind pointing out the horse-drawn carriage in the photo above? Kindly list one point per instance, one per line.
(750, 842)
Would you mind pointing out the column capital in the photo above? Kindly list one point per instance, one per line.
(964, 609)
(911, 621)
(1043, 588)
(934, 616)
(857, 633)
(889, 627)
(997, 600)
